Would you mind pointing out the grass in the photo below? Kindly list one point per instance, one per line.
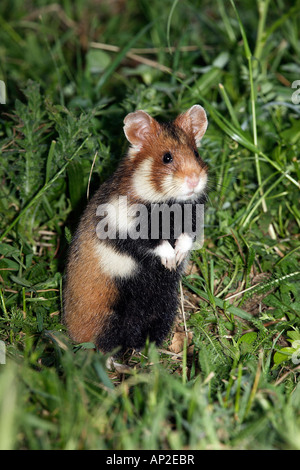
(234, 383)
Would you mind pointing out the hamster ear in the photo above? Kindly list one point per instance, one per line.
(193, 121)
(138, 126)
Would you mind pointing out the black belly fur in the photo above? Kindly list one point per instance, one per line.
(147, 303)
(146, 308)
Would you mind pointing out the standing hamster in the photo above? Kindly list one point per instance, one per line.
(124, 266)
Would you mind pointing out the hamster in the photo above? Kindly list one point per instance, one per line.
(121, 289)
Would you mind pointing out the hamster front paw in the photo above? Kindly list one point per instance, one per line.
(182, 246)
(167, 255)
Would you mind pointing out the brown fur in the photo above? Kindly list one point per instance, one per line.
(90, 291)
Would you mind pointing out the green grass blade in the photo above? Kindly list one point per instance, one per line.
(220, 303)
(49, 160)
(120, 56)
(169, 23)
(248, 55)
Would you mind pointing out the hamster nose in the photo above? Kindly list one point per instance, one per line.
(192, 181)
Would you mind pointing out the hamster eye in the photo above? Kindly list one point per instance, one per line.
(196, 153)
(167, 158)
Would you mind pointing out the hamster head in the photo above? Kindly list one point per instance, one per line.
(166, 164)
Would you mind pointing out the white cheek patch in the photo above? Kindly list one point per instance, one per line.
(170, 187)
(114, 263)
(142, 183)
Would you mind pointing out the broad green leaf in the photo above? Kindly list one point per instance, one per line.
(294, 335)
(20, 281)
(249, 338)
(279, 357)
